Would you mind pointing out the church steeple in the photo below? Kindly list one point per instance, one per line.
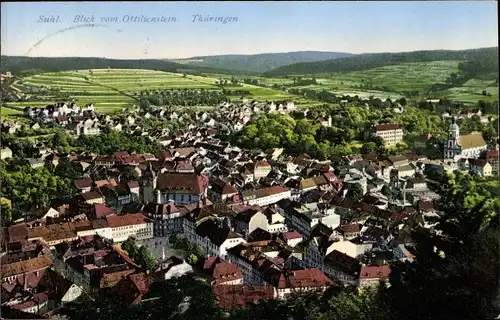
(452, 146)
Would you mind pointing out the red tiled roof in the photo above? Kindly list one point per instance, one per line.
(348, 228)
(102, 210)
(262, 163)
(239, 295)
(265, 192)
(92, 195)
(491, 154)
(477, 162)
(83, 183)
(292, 235)
(387, 126)
(141, 281)
(25, 266)
(133, 184)
(116, 221)
(210, 262)
(304, 278)
(192, 182)
(18, 232)
(37, 299)
(375, 272)
(121, 154)
(225, 272)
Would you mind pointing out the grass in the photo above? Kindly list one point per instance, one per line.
(398, 79)
(471, 91)
(114, 89)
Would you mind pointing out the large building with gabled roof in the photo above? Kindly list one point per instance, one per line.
(466, 146)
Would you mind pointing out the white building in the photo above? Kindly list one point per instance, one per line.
(266, 196)
(135, 225)
(467, 146)
(390, 132)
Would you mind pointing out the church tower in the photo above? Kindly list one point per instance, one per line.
(148, 185)
(452, 146)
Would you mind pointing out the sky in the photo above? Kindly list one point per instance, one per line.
(257, 27)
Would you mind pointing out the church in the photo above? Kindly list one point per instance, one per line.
(467, 146)
(179, 188)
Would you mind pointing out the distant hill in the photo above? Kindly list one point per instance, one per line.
(259, 63)
(484, 60)
(17, 64)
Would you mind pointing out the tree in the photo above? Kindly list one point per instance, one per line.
(386, 190)
(60, 140)
(368, 147)
(129, 174)
(456, 275)
(192, 259)
(146, 259)
(355, 192)
(5, 214)
(130, 246)
(173, 240)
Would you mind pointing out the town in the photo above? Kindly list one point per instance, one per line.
(250, 161)
(254, 224)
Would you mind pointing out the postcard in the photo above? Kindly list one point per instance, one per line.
(295, 160)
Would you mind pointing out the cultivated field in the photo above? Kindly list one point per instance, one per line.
(113, 89)
(472, 91)
(397, 80)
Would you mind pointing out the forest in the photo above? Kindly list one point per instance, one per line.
(477, 61)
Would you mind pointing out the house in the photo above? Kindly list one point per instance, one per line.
(371, 276)
(326, 121)
(492, 156)
(391, 133)
(219, 190)
(222, 272)
(299, 281)
(5, 153)
(37, 303)
(92, 197)
(10, 272)
(249, 220)
(84, 185)
(133, 288)
(292, 238)
(470, 113)
(261, 169)
(265, 196)
(342, 267)
(105, 161)
(61, 290)
(172, 267)
(36, 162)
(87, 128)
(216, 238)
(136, 225)
(122, 193)
(480, 167)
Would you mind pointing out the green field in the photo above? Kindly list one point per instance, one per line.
(471, 91)
(398, 79)
(111, 90)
